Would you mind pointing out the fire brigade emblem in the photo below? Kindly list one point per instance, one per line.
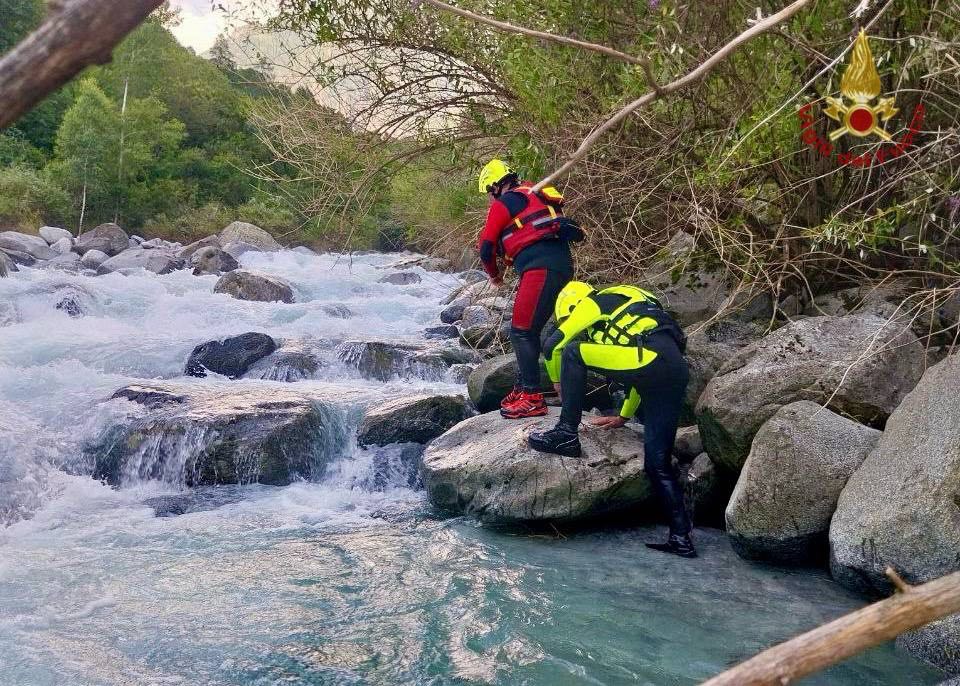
(860, 86)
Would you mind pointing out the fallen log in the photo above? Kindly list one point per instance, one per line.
(910, 608)
(76, 34)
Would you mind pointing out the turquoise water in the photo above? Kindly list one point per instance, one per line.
(335, 583)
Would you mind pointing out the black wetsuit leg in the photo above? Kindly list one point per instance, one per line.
(536, 297)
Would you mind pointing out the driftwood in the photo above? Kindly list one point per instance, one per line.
(76, 34)
(911, 607)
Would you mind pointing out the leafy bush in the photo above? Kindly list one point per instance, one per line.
(28, 200)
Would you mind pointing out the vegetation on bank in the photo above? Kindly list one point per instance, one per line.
(159, 140)
(723, 160)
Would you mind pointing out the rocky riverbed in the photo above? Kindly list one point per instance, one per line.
(233, 463)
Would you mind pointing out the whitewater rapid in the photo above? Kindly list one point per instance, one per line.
(345, 581)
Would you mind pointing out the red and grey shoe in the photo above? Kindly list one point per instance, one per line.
(528, 405)
(512, 397)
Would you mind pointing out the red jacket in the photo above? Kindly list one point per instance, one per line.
(516, 220)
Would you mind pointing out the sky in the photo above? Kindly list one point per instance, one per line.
(200, 24)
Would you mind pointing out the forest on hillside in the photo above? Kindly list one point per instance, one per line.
(740, 160)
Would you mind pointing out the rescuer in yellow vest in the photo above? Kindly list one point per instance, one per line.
(624, 334)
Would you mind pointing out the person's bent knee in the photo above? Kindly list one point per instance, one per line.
(571, 353)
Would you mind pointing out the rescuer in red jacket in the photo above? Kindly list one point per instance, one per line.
(527, 230)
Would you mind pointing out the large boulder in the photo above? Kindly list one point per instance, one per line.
(212, 260)
(134, 259)
(295, 360)
(53, 234)
(413, 419)
(209, 242)
(248, 233)
(244, 284)
(385, 360)
(34, 246)
(92, 259)
(107, 238)
(900, 507)
(230, 357)
(483, 467)
(788, 489)
(708, 349)
(858, 365)
(477, 315)
(237, 248)
(68, 262)
(453, 313)
(190, 434)
(490, 382)
(689, 287)
(64, 247)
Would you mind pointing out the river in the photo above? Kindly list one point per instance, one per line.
(345, 581)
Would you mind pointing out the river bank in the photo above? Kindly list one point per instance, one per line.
(351, 577)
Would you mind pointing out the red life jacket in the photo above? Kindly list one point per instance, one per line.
(534, 216)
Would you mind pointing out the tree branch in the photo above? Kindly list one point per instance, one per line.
(684, 81)
(543, 35)
(910, 608)
(75, 35)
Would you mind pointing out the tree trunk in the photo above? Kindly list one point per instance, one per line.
(76, 34)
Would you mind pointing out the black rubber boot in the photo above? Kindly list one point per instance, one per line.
(676, 545)
(563, 439)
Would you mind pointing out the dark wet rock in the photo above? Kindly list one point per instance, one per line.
(243, 284)
(400, 279)
(688, 444)
(53, 235)
(477, 315)
(706, 490)
(133, 259)
(212, 260)
(248, 233)
(187, 251)
(453, 312)
(107, 238)
(441, 332)
(74, 300)
(859, 364)
(936, 643)
(415, 419)
(800, 461)
(483, 467)
(7, 265)
(479, 336)
(169, 505)
(34, 246)
(190, 434)
(294, 360)
(493, 379)
(337, 311)
(21, 259)
(92, 259)
(230, 357)
(385, 360)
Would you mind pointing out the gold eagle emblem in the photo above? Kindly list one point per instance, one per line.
(860, 84)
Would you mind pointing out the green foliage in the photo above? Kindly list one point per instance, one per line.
(28, 200)
(17, 19)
